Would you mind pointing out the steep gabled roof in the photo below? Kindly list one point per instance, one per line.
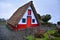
(15, 18)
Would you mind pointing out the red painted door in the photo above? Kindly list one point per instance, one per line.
(28, 21)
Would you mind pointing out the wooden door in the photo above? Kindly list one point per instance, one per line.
(28, 21)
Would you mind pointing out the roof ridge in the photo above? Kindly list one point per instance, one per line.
(27, 3)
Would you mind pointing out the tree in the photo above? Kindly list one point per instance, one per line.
(2, 20)
(58, 22)
(46, 18)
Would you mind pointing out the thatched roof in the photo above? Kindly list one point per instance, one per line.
(15, 18)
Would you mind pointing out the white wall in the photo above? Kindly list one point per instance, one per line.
(25, 16)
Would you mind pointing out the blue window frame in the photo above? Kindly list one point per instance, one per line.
(23, 20)
(33, 20)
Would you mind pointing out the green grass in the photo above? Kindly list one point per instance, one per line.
(30, 37)
(51, 31)
(57, 38)
(38, 39)
(46, 36)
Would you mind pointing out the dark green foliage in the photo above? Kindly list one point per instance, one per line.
(57, 34)
(58, 23)
(46, 18)
(2, 20)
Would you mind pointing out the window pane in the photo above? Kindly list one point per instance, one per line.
(23, 20)
(33, 20)
(29, 12)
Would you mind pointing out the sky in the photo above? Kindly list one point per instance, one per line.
(43, 7)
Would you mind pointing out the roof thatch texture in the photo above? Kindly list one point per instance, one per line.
(15, 18)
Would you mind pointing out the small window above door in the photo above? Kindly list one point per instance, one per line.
(29, 11)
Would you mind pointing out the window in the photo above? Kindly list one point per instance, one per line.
(33, 20)
(23, 20)
(29, 12)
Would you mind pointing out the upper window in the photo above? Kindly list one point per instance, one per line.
(23, 20)
(33, 20)
(29, 12)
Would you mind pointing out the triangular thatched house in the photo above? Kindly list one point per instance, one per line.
(24, 17)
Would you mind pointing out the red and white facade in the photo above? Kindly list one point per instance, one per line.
(28, 20)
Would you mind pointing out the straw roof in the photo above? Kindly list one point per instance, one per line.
(16, 17)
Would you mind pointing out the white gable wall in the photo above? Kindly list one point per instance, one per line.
(25, 16)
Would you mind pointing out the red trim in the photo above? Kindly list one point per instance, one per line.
(34, 25)
(22, 26)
